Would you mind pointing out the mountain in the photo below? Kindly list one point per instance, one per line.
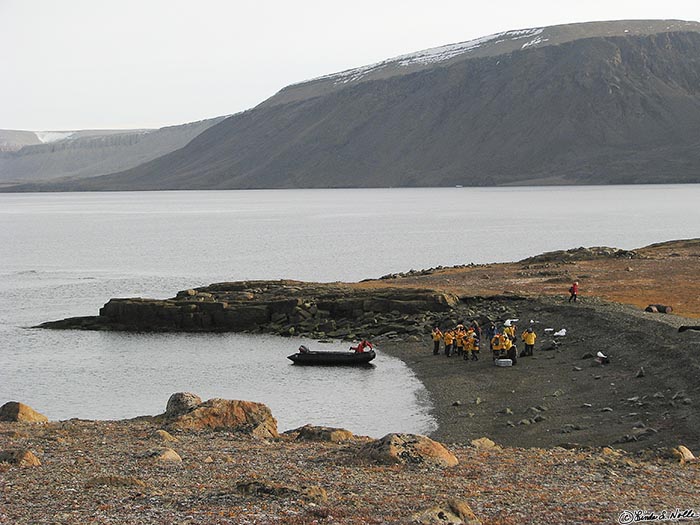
(595, 103)
(35, 156)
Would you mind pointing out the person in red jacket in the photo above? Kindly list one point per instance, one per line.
(360, 348)
(574, 292)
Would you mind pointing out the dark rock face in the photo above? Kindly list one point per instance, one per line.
(280, 307)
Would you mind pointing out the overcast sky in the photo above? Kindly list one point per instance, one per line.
(97, 64)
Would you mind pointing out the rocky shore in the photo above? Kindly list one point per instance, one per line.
(578, 442)
(222, 461)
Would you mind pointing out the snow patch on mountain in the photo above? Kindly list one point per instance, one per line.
(435, 55)
(53, 136)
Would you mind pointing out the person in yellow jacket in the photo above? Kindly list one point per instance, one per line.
(459, 339)
(471, 346)
(497, 345)
(509, 330)
(449, 339)
(437, 339)
(511, 350)
(529, 337)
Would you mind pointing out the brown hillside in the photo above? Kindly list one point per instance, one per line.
(665, 273)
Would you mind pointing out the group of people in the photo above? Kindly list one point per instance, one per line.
(459, 340)
(466, 342)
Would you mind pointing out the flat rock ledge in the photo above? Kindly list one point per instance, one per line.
(280, 307)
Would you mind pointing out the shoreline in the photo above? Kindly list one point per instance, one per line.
(543, 401)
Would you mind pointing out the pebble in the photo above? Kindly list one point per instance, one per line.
(606, 409)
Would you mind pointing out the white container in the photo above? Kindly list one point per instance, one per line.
(504, 362)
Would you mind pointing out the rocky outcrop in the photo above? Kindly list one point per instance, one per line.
(222, 414)
(408, 449)
(279, 307)
(21, 413)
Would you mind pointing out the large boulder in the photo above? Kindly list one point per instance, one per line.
(408, 449)
(223, 414)
(21, 413)
(181, 403)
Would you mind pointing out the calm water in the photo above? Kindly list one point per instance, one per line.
(67, 254)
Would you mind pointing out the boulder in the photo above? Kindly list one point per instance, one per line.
(19, 457)
(181, 403)
(484, 443)
(114, 481)
(259, 488)
(659, 308)
(456, 512)
(20, 413)
(408, 449)
(314, 433)
(223, 414)
(684, 455)
(164, 435)
(163, 454)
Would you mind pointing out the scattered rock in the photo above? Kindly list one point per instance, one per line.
(164, 454)
(165, 436)
(640, 372)
(317, 433)
(484, 443)
(659, 308)
(587, 355)
(457, 404)
(408, 449)
(259, 488)
(114, 481)
(586, 405)
(19, 457)
(181, 403)
(506, 410)
(20, 413)
(577, 369)
(456, 512)
(684, 455)
(606, 409)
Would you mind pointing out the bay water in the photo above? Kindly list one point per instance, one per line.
(66, 254)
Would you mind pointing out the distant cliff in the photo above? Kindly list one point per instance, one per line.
(597, 103)
(27, 156)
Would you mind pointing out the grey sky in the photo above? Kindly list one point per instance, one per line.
(90, 64)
